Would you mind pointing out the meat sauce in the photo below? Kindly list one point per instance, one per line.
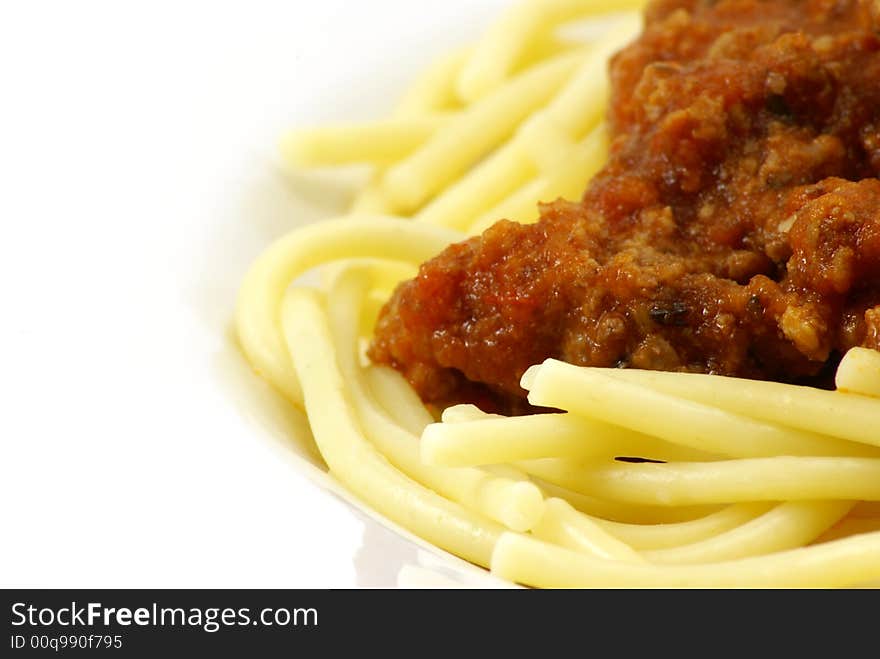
(735, 229)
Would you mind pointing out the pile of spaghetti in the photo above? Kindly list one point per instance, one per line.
(647, 479)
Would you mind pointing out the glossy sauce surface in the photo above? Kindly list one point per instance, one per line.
(735, 229)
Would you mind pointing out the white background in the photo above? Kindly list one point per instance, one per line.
(137, 181)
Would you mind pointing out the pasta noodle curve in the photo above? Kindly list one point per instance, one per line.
(762, 484)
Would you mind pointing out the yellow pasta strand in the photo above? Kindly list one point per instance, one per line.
(842, 563)
(615, 512)
(474, 133)
(664, 536)
(398, 399)
(353, 460)
(516, 504)
(582, 103)
(510, 38)
(788, 526)
(495, 440)
(371, 200)
(466, 412)
(859, 372)
(566, 527)
(567, 180)
(729, 481)
(380, 143)
(501, 173)
(263, 289)
(434, 89)
(596, 393)
(546, 142)
(833, 413)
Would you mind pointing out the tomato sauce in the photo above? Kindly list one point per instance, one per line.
(735, 229)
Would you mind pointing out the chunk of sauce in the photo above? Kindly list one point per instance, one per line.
(735, 229)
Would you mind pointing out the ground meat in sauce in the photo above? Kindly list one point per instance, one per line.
(735, 229)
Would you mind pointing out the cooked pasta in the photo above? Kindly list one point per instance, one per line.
(643, 479)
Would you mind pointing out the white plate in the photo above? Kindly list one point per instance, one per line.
(139, 183)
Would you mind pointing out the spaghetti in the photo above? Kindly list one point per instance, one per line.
(648, 479)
